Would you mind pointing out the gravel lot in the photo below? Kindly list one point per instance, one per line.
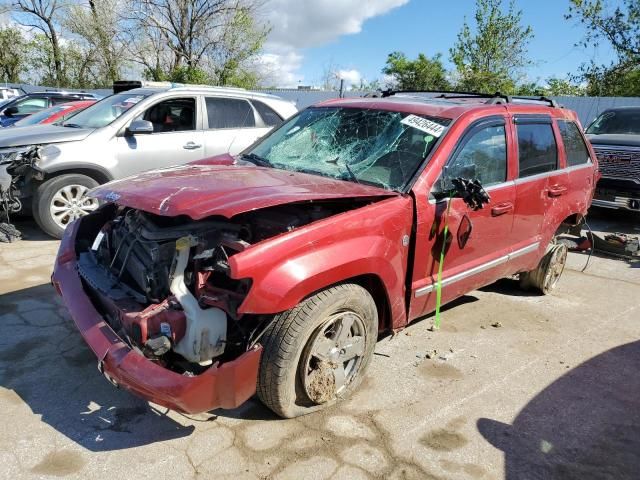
(551, 391)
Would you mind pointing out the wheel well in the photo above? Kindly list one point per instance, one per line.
(97, 175)
(572, 225)
(373, 284)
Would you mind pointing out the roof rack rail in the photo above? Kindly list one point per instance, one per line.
(492, 99)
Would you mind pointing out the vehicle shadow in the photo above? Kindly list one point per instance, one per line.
(45, 362)
(585, 425)
(509, 286)
(29, 231)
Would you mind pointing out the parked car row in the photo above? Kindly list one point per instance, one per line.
(126, 133)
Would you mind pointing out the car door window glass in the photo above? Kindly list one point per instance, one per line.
(229, 113)
(174, 115)
(483, 157)
(574, 146)
(31, 105)
(269, 117)
(537, 149)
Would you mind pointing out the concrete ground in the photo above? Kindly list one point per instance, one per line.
(551, 391)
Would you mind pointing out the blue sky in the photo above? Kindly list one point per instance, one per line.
(314, 39)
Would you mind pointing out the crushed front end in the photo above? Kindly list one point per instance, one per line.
(152, 298)
(155, 299)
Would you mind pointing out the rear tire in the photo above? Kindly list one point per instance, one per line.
(546, 276)
(316, 353)
(60, 200)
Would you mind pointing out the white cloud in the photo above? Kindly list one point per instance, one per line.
(298, 24)
(350, 77)
(279, 66)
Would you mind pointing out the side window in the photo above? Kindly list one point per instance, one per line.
(577, 152)
(174, 115)
(483, 156)
(537, 149)
(268, 114)
(229, 113)
(31, 105)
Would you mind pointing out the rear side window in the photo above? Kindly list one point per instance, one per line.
(229, 113)
(537, 149)
(576, 149)
(268, 114)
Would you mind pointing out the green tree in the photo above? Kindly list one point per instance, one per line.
(493, 56)
(423, 73)
(620, 28)
(558, 87)
(12, 58)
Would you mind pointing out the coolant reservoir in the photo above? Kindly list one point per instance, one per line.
(206, 329)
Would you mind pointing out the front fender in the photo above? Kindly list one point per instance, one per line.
(366, 241)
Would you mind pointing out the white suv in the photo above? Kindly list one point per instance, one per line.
(127, 133)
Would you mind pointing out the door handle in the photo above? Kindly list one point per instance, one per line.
(557, 190)
(501, 209)
(191, 146)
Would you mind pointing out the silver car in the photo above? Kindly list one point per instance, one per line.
(126, 133)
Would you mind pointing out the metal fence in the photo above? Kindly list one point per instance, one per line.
(587, 108)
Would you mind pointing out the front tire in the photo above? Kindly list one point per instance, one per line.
(316, 353)
(61, 200)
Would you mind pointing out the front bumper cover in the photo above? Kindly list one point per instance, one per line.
(226, 386)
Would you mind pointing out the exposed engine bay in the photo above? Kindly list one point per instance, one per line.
(164, 284)
(14, 167)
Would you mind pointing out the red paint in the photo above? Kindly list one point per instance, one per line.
(71, 107)
(217, 189)
(374, 241)
(226, 386)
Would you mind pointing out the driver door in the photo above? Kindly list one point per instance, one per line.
(483, 154)
(177, 137)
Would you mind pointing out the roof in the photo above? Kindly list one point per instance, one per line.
(201, 89)
(449, 107)
(63, 94)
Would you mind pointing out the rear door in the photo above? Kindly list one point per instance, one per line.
(231, 125)
(177, 137)
(484, 151)
(540, 187)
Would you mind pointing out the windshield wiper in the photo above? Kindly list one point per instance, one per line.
(257, 159)
(351, 174)
(72, 125)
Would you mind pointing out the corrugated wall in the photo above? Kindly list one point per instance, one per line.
(586, 107)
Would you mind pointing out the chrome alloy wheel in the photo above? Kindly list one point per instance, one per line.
(333, 356)
(556, 266)
(70, 203)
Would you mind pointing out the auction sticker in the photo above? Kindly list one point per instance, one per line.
(432, 128)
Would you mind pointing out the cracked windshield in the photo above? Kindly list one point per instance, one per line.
(373, 147)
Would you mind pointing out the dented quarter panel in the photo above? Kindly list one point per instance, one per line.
(286, 269)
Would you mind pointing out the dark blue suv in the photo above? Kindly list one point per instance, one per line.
(23, 106)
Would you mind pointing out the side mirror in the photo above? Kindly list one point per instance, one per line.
(11, 111)
(140, 127)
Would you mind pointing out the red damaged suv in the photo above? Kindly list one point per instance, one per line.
(274, 271)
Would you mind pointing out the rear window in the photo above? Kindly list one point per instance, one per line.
(576, 149)
(537, 149)
(229, 113)
(268, 114)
